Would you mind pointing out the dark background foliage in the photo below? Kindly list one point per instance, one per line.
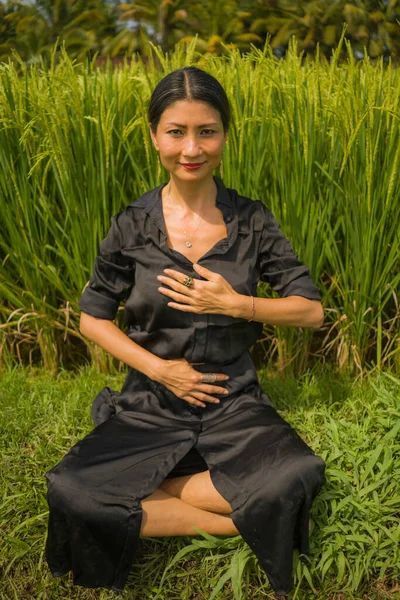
(112, 29)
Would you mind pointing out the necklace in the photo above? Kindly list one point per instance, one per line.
(188, 242)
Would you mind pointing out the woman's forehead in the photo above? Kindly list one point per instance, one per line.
(196, 112)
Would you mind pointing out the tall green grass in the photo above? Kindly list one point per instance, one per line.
(318, 142)
(355, 537)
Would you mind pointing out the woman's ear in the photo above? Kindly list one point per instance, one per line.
(153, 138)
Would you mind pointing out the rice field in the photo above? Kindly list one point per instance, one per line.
(317, 141)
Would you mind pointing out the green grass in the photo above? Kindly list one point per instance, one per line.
(353, 425)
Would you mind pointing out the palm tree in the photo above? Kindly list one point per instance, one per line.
(149, 20)
(21, 31)
(375, 26)
(218, 24)
(168, 22)
(373, 23)
(82, 25)
(114, 29)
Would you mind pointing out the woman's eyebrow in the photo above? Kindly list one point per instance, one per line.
(184, 126)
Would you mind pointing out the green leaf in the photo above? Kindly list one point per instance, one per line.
(341, 565)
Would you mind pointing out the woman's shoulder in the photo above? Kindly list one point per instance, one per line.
(138, 208)
(251, 211)
(130, 220)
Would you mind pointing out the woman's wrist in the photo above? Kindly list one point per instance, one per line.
(154, 368)
(242, 307)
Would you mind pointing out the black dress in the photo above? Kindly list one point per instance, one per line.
(144, 433)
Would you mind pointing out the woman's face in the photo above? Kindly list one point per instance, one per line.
(190, 133)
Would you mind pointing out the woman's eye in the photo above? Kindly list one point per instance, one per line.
(176, 131)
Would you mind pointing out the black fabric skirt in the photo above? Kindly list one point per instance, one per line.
(145, 434)
(190, 464)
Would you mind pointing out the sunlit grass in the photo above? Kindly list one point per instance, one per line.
(318, 142)
(355, 540)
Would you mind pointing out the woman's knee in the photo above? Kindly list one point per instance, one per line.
(197, 490)
(301, 478)
(63, 490)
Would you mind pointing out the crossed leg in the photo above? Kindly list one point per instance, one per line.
(183, 502)
(198, 490)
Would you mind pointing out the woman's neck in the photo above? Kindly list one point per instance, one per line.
(191, 194)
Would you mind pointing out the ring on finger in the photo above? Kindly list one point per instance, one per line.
(208, 377)
(188, 281)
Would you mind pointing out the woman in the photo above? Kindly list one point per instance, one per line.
(191, 440)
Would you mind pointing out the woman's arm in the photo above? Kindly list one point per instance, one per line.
(177, 375)
(110, 337)
(293, 311)
(216, 295)
(299, 304)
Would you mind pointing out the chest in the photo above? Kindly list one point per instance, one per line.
(195, 237)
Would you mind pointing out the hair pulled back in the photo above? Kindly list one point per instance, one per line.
(188, 83)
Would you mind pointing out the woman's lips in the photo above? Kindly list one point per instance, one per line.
(192, 166)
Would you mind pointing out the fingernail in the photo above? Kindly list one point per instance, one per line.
(216, 401)
(226, 391)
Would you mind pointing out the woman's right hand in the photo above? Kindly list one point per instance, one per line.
(185, 382)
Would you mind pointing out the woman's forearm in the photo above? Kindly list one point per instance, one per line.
(110, 337)
(294, 311)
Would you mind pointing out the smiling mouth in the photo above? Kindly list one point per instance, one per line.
(192, 164)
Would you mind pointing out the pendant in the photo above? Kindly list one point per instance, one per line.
(189, 244)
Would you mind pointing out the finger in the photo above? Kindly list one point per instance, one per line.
(197, 397)
(189, 398)
(175, 296)
(194, 401)
(183, 307)
(206, 273)
(175, 274)
(219, 376)
(211, 389)
(185, 396)
(204, 397)
(181, 278)
(175, 285)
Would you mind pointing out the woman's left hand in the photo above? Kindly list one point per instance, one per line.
(215, 295)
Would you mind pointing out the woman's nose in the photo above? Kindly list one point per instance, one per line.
(192, 146)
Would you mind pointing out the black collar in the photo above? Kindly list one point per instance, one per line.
(151, 200)
(151, 203)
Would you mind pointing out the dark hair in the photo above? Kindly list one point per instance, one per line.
(188, 83)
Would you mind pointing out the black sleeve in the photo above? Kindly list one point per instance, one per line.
(112, 277)
(280, 266)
